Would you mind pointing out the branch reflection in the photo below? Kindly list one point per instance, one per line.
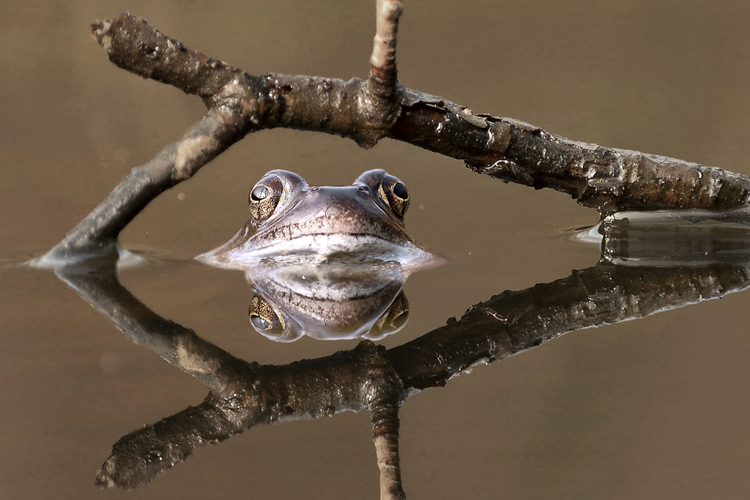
(666, 238)
(244, 394)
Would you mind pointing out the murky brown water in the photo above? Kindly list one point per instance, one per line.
(653, 408)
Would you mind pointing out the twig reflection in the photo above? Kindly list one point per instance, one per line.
(244, 394)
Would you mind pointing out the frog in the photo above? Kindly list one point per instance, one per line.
(295, 223)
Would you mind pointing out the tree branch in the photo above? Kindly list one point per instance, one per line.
(365, 111)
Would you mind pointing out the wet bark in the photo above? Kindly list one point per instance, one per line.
(365, 111)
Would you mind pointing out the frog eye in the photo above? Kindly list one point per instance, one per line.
(264, 319)
(259, 194)
(394, 193)
(265, 197)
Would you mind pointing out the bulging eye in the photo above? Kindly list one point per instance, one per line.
(263, 318)
(394, 193)
(260, 193)
(267, 194)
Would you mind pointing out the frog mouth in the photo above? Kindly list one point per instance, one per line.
(317, 248)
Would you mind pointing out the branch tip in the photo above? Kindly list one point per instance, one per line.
(383, 99)
(383, 60)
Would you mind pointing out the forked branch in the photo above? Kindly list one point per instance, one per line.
(365, 111)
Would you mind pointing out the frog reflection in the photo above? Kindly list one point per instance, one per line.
(293, 222)
(329, 262)
(329, 301)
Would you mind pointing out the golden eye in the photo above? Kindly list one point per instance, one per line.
(267, 194)
(263, 318)
(394, 193)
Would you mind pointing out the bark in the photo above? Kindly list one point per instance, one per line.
(605, 179)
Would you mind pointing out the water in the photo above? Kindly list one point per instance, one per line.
(652, 408)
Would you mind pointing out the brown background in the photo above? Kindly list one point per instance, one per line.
(655, 408)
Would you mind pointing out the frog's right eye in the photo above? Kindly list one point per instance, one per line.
(394, 194)
(267, 194)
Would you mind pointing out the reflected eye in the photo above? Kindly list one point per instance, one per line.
(258, 322)
(265, 197)
(400, 319)
(263, 318)
(394, 193)
(393, 319)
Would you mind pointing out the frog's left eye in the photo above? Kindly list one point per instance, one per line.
(394, 193)
(265, 197)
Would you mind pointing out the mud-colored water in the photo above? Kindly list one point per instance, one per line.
(654, 408)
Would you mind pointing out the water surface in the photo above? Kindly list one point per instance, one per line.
(653, 408)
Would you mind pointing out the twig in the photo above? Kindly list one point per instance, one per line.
(382, 85)
(365, 111)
